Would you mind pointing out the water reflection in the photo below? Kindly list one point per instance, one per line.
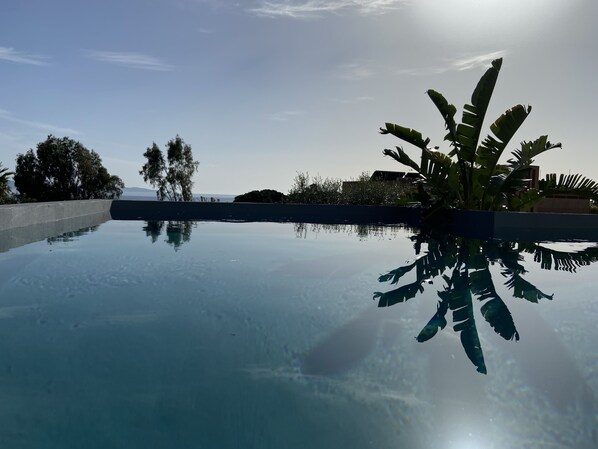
(71, 236)
(462, 268)
(362, 231)
(177, 232)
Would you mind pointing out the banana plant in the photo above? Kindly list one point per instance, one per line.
(470, 175)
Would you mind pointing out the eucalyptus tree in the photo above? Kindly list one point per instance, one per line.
(173, 175)
(470, 175)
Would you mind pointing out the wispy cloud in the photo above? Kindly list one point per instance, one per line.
(284, 116)
(474, 62)
(354, 100)
(12, 55)
(5, 115)
(457, 65)
(300, 9)
(131, 60)
(355, 72)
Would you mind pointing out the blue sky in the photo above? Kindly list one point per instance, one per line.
(264, 89)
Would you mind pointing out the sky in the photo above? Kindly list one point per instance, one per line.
(262, 90)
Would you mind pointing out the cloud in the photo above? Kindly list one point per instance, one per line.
(355, 72)
(354, 100)
(5, 115)
(474, 62)
(131, 60)
(457, 65)
(284, 116)
(299, 9)
(10, 54)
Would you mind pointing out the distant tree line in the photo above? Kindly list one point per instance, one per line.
(318, 190)
(63, 169)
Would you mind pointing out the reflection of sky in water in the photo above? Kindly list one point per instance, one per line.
(266, 335)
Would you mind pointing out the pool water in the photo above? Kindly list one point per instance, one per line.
(270, 335)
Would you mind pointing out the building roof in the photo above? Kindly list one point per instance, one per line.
(382, 175)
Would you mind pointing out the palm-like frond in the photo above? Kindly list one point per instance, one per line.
(407, 134)
(529, 150)
(577, 185)
(491, 149)
(4, 188)
(400, 156)
(448, 112)
(468, 132)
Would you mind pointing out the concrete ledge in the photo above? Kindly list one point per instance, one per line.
(307, 213)
(467, 223)
(478, 224)
(21, 215)
(15, 237)
(522, 225)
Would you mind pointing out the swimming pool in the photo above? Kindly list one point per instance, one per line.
(266, 335)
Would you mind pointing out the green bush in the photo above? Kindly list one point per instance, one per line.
(361, 191)
(261, 196)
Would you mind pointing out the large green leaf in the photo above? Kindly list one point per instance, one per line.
(491, 149)
(407, 134)
(468, 133)
(448, 112)
(400, 156)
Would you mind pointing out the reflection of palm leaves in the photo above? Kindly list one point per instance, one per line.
(439, 257)
(494, 310)
(470, 261)
(565, 261)
(522, 288)
(458, 295)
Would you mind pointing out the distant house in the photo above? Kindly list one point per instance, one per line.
(561, 204)
(391, 177)
(395, 176)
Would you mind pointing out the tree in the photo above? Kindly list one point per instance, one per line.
(63, 169)
(172, 177)
(5, 192)
(261, 196)
(470, 175)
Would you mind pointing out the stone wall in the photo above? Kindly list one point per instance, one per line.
(22, 215)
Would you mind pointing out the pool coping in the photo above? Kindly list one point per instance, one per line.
(477, 224)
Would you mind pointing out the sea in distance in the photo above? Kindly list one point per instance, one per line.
(141, 194)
